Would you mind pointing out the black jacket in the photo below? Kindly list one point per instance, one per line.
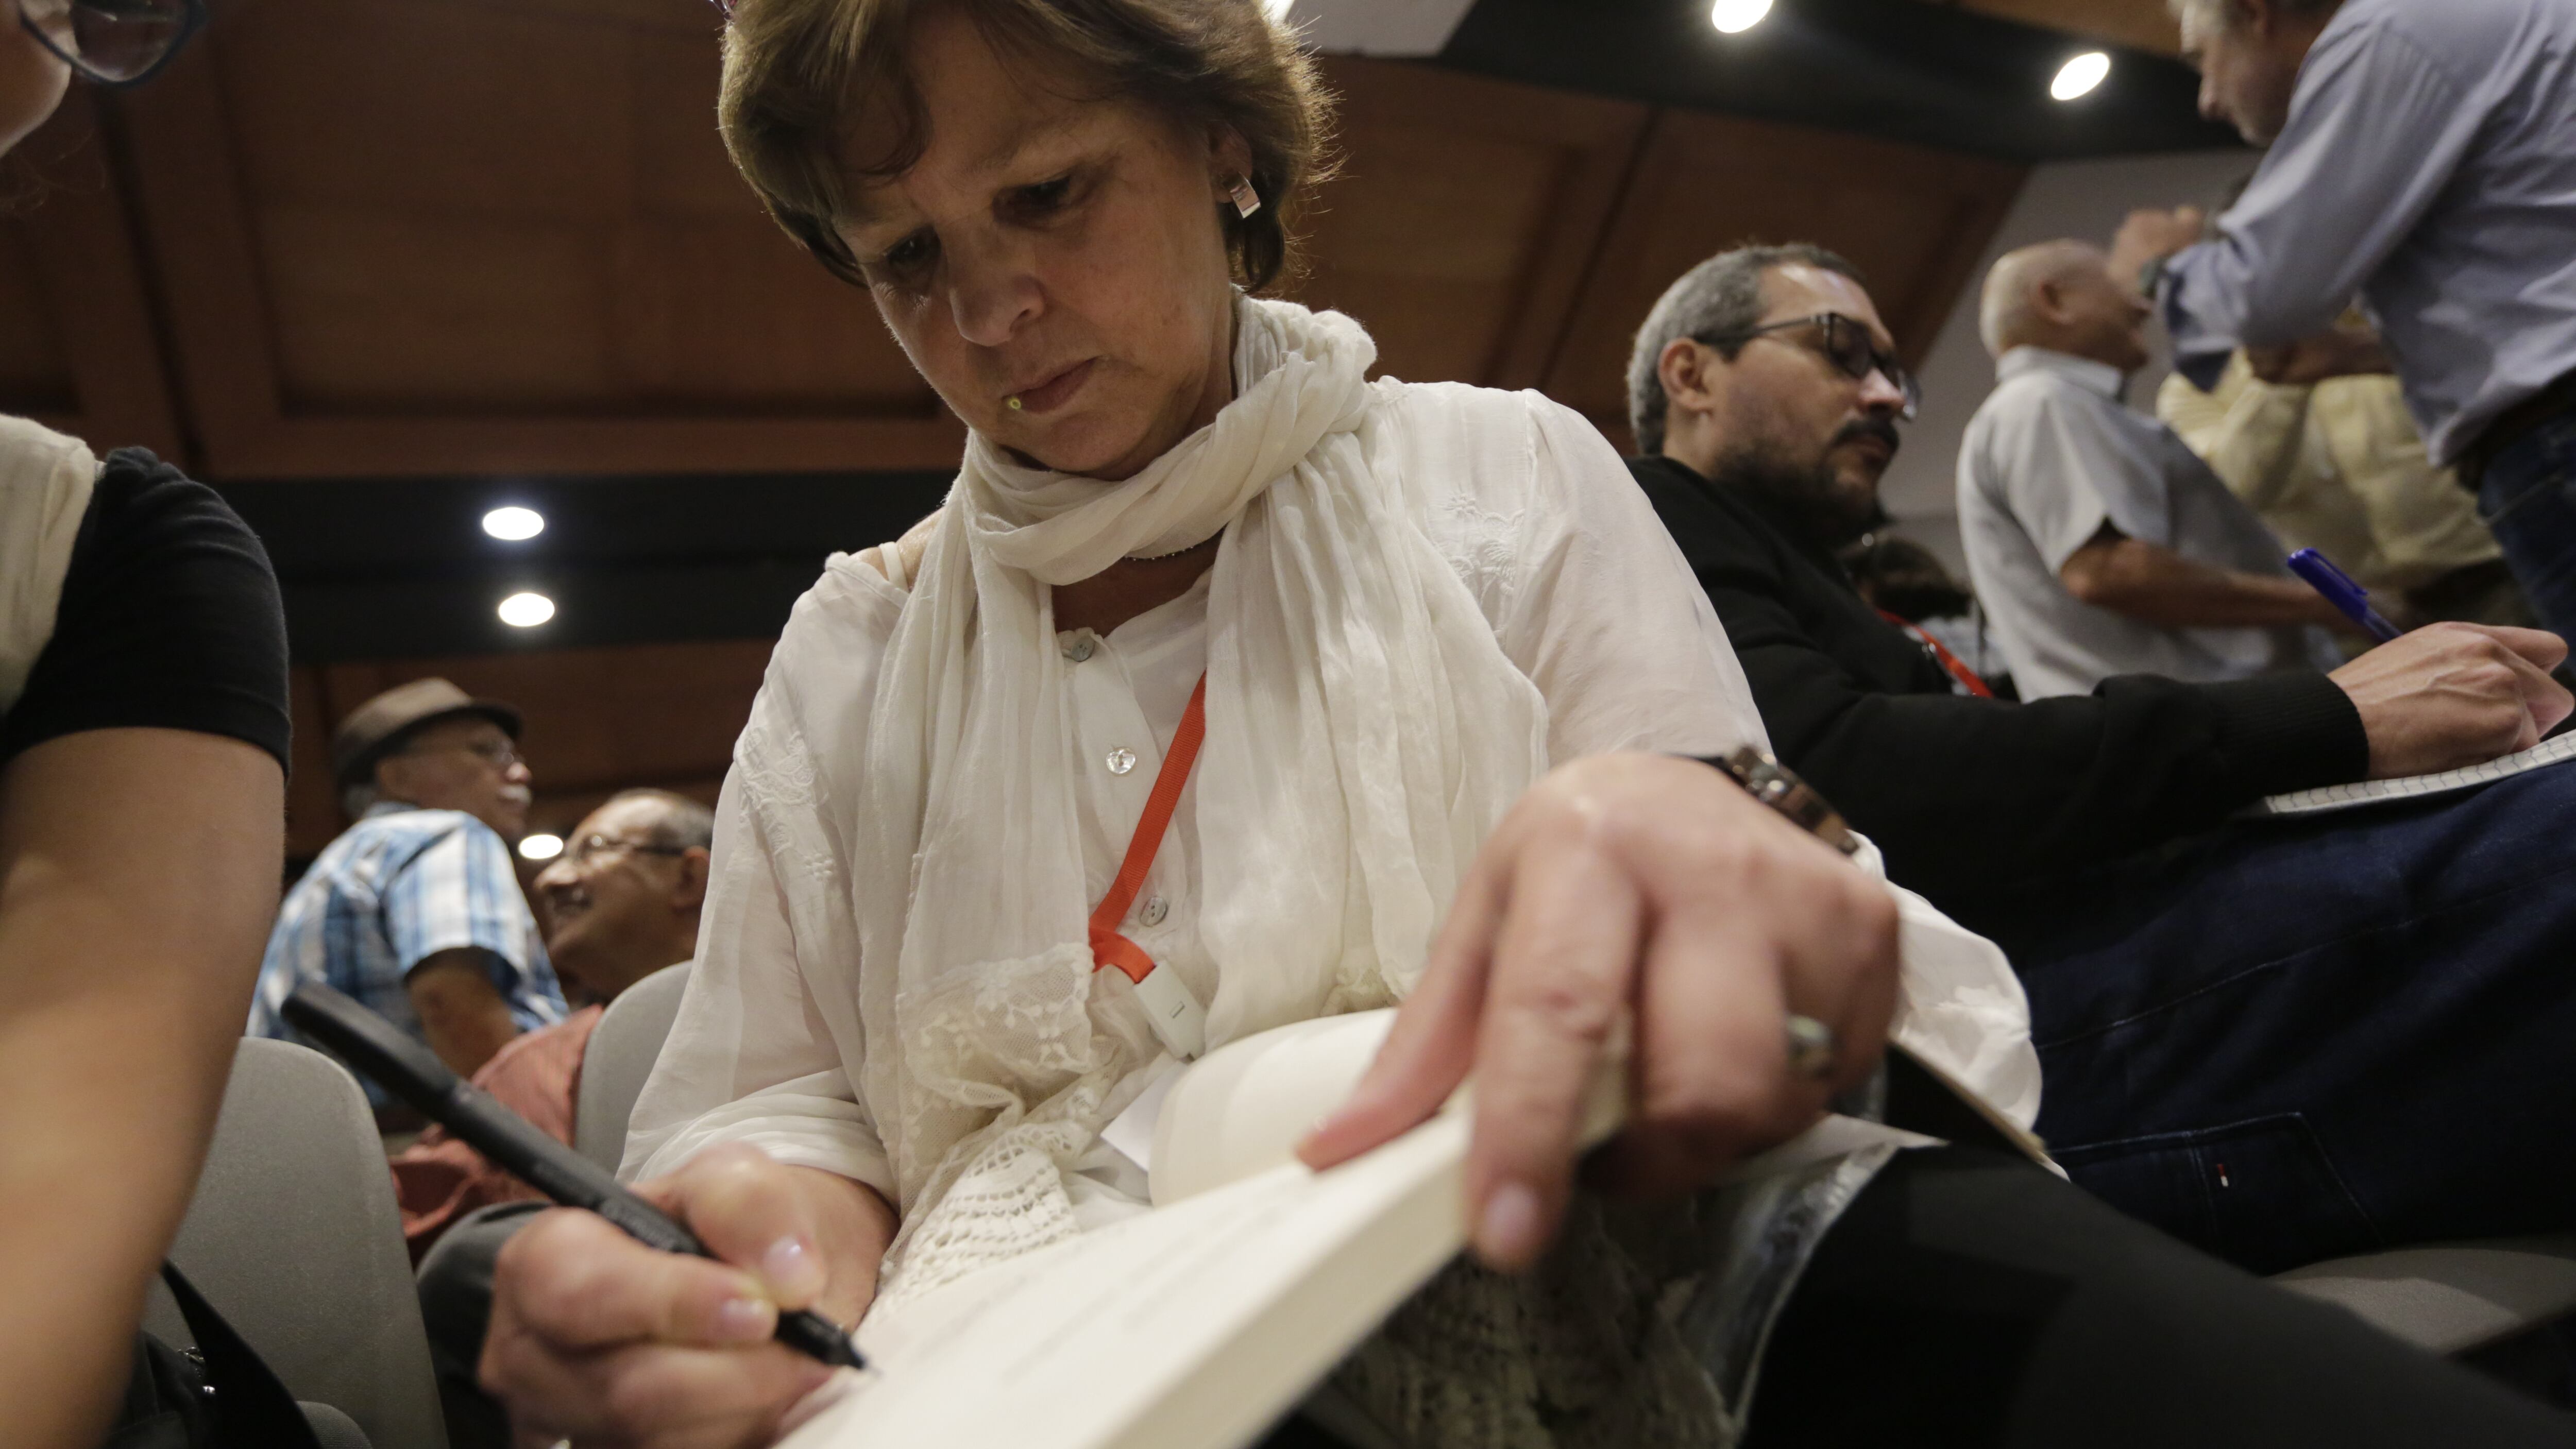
(1965, 795)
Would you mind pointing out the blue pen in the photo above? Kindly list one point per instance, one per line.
(2341, 592)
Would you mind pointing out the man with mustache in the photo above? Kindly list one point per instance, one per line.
(416, 909)
(2222, 1007)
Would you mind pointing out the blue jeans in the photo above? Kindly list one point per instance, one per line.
(2528, 496)
(2298, 1038)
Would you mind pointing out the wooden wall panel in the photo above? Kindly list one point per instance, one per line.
(2145, 24)
(1465, 215)
(77, 346)
(1915, 220)
(598, 721)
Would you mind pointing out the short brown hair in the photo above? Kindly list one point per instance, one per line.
(796, 72)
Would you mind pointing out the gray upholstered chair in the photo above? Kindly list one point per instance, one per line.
(619, 1057)
(2453, 1297)
(294, 1238)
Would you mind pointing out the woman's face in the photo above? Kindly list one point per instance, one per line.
(31, 79)
(1065, 253)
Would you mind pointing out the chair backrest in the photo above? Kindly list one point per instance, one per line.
(293, 1236)
(619, 1057)
(2451, 1297)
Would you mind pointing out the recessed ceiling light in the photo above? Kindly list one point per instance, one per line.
(2079, 76)
(1734, 17)
(541, 847)
(514, 524)
(526, 610)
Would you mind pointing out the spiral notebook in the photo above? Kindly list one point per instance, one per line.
(2373, 792)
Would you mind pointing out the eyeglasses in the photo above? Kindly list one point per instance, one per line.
(1845, 342)
(584, 850)
(112, 42)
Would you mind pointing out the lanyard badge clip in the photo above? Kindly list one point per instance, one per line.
(1179, 1022)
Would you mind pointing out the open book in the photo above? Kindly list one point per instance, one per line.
(1198, 1324)
(2371, 792)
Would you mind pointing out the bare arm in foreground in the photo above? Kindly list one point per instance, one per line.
(138, 872)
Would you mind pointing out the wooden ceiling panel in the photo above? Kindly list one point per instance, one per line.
(697, 18)
(1914, 219)
(1464, 216)
(681, 162)
(521, 249)
(680, 289)
(410, 314)
(488, 112)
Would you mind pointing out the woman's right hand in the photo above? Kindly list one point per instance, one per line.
(598, 1339)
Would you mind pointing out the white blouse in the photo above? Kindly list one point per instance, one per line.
(1587, 595)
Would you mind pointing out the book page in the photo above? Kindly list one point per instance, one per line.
(1190, 1327)
(2370, 792)
(1243, 1109)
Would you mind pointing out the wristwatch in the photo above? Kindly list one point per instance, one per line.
(1776, 785)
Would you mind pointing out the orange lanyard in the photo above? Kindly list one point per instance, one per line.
(1174, 1013)
(1958, 668)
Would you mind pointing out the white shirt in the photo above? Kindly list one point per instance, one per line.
(1586, 594)
(2429, 164)
(2051, 457)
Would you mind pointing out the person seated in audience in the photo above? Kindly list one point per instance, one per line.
(143, 746)
(2281, 1040)
(2099, 543)
(621, 903)
(416, 910)
(2315, 437)
(1442, 657)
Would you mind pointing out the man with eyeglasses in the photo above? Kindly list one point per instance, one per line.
(2223, 1008)
(416, 909)
(621, 903)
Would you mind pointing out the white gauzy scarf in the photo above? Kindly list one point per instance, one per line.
(1364, 733)
(45, 482)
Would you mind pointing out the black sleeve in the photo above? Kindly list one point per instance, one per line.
(1969, 794)
(169, 619)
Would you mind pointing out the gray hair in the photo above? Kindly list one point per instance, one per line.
(684, 824)
(1719, 296)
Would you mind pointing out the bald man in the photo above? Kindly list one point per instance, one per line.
(2098, 541)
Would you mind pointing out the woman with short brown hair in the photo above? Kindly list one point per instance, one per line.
(1429, 633)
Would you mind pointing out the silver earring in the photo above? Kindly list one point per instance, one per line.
(1246, 200)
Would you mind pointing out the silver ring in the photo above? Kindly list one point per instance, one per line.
(1812, 1046)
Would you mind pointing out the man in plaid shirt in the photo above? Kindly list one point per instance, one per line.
(416, 909)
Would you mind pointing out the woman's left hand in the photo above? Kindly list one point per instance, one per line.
(1627, 884)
